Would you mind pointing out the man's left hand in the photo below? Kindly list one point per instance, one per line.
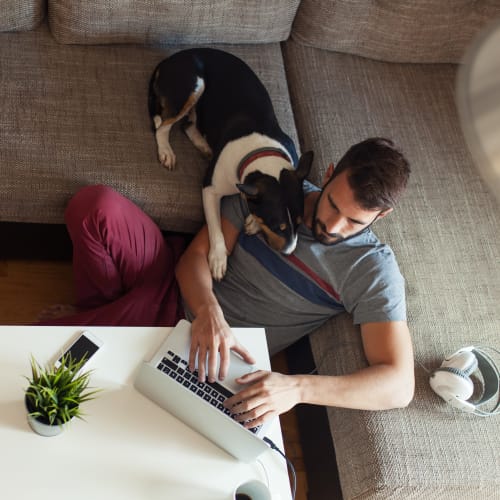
(269, 395)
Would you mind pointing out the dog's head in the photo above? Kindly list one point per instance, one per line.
(277, 205)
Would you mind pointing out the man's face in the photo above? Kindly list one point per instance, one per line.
(337, 215)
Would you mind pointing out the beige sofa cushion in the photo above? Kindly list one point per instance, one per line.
(17, 15)
(446, 236)
(401, 30)
(171, 21)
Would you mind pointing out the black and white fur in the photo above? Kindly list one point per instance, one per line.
(228, 115)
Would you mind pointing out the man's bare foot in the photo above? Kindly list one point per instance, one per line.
(57, 311)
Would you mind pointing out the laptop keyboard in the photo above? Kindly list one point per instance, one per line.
(213, 393)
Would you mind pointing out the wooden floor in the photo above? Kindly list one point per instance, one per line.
(27, 287)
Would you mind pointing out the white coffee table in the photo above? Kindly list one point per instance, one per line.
(128, 448)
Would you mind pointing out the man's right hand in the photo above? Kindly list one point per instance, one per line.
(211, 335)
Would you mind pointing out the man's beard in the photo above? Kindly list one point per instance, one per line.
(319, 229)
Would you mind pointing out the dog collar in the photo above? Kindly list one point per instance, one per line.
(259, 153)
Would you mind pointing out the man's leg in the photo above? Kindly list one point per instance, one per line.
(123, 269)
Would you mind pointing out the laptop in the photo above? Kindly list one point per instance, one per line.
(167, 380)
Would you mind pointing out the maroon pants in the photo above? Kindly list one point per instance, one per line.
(123, 266)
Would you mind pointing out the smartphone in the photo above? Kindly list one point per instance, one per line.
(85, 345)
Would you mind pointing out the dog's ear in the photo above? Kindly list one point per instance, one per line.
(248, 189)
(304, 166)
(289, 178)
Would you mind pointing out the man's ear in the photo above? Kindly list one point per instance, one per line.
(328, 174)
(385, 212)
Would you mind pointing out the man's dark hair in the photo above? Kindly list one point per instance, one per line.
(377, 173)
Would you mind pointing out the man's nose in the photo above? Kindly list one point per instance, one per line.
(334, 224)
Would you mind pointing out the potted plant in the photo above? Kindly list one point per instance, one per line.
(55, 394)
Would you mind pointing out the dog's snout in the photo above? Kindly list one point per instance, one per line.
(281, 244)
(290, 247)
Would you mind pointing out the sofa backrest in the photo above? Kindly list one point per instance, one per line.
(422, 31)
(171, 21)
(16, 15)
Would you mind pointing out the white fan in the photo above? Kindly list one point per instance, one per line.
(478, 101)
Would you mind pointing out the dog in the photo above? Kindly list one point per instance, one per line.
(227, 113)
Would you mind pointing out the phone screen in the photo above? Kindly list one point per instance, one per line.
(82, 347)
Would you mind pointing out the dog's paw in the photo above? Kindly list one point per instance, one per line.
(207, 153)
(251, 225)
(217, 261)
(199, 142)
(166, 157)
(204, 148)
(157, 121)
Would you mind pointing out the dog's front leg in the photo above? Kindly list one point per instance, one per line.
(217, 255)
(165, 152)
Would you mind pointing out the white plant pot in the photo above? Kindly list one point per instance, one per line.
(44, 429)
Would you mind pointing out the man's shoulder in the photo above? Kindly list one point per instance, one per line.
(375, 287)
(365, 242)
(369, 253)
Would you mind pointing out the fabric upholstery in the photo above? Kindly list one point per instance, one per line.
(171, 21)
(402, 30)
(84, 120)
(446, 236)
(16, 15)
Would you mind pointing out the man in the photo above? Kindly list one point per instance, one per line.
(338, 264)
(123, 272)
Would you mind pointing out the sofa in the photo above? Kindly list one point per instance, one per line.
(74, 77)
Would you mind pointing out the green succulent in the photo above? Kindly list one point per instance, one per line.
(54, 394)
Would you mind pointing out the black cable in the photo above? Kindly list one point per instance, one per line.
(289, 463)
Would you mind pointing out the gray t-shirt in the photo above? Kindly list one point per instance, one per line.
(290, 296)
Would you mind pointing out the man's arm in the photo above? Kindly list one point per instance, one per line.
(210, 332)
(388, 381)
